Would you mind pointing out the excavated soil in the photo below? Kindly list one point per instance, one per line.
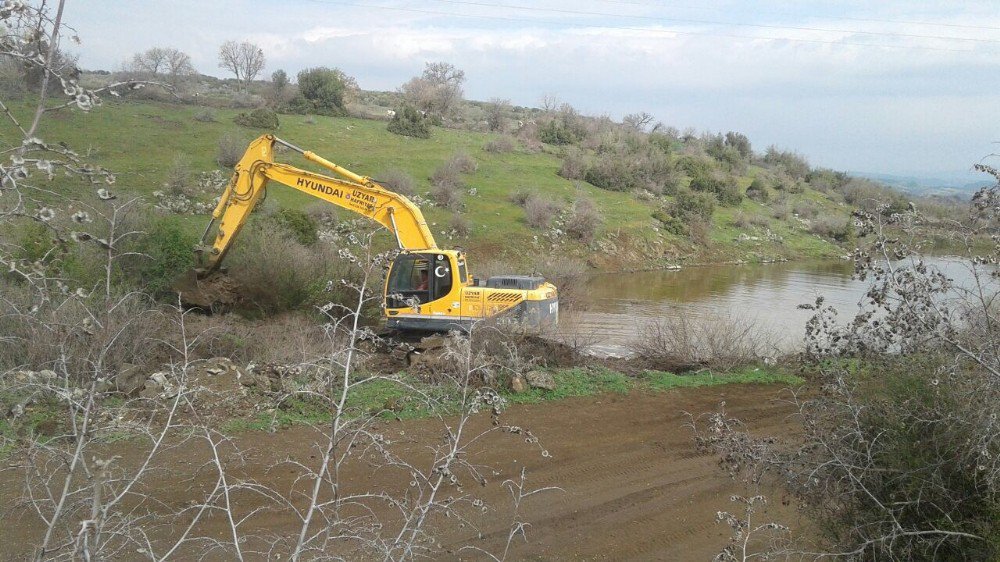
(634, 487)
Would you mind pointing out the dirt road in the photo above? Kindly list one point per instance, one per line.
(634, 487)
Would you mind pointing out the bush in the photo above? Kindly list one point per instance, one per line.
(231, 150)
(539, 211)
(670, 223)
(675, 342)
(168, 252)
(398, 181)
(463, 163)
(841, 230)
(447, 196)
(409, 123)
(689, 206)
(460, 226)
(562, 130)
(258, 119)
(758, 190)
(274, 272)
(795, 165)
(520, 197)
(574, 165)
(178, 180)
(499, 145)
(585, 220)
(322, 90)
(205, 116)
(726, 189)
(299, 224)
(805, 210)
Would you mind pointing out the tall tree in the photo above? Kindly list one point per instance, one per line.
(437, 90)
(244, 59)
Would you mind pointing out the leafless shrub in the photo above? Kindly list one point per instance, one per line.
(679, 342)
(275, 273)
(781, 211)
(700, 230)
(805, 210)
(585, 220)
(179, 176)
(463, 163)
(397, 180)
(899, 455)
(499, 145)
(569, 275)
(205, 116)
(574, 165)
(447, 195)
(460, 225)
(520, 197)
(230, 151)
(540, 211)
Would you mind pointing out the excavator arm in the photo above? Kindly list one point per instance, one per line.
(355, 193)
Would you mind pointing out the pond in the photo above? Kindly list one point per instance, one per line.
(618, 305)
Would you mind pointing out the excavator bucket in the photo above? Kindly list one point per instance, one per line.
(211, 293)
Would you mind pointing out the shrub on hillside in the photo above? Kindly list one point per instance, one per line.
(447, 195)
(565, 129)
(690, 205)
(574, 165)
(205, 116)
(462, 162)
(231, 149)
(408, 122)
(167, 248)
(539, 211)
(460, 226)
(585, 220)
(398, 181)
(275, 273)
(499, 145)
(758, 190)
(791, 163)
(726, 189)
(262, 118)
(179, 174)
(299, 224)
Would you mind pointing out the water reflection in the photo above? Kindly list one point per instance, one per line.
(619, 304)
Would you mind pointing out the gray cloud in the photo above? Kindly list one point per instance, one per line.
(911, 105)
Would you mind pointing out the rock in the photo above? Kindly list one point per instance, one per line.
(540, 379)
(517, 384)
(157, 386)
(130, 380)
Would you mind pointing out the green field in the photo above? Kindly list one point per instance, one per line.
(140, 141)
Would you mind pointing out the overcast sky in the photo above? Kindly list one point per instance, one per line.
(887, 86)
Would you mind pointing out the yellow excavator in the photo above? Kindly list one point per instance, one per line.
(426, 289)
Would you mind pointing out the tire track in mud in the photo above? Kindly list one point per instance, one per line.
(637, 491)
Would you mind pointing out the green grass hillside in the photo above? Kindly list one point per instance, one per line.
(140, 141)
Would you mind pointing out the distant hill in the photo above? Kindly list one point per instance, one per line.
(960, 183)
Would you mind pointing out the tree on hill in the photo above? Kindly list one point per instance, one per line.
(168, 62)
(279, 83)
(324, 90)
(437, 90)
(245, 60)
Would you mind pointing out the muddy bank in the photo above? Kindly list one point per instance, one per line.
(633, 485)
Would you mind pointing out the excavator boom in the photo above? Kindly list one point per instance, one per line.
(353, 192)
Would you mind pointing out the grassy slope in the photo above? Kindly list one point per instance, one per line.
(140, 141)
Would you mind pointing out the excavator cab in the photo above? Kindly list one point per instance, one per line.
(423, 291)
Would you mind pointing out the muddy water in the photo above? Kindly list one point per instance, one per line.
(618, 305)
